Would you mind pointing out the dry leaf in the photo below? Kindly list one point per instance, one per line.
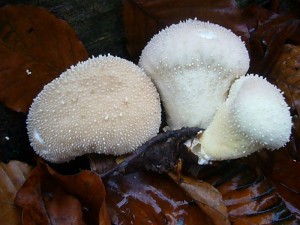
(35, 47)
(206, 196)
(143, 19)
(12, 177)
(50, 198)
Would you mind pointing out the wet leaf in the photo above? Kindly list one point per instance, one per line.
(149, 198)
(206, 196)
(12, 177)
(249, 196)
(286, 75)
(35, 47)
(284, 174)
(143, 19)
(50, 198)
(269, 32)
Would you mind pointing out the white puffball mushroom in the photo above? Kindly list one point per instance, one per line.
(103, 105)
(254, 116)
(193, 64)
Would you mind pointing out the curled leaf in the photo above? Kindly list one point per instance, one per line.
(35, 47)
(206, 196)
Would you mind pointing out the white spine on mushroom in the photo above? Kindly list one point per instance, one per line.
(193, 64)
(254, 116)
(103, 105)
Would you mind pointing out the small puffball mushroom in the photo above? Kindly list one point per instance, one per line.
(103, 105)
(193, 64)
(254, 116)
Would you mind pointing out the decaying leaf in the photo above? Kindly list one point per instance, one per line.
(12, 177)
(50, 198)
(35, 47)
(249, 196)
(286, 75)
(208, 198)
(149, 198)
(269, 32)
(287, 186)
(143, 19)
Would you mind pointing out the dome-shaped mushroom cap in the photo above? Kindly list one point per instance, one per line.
(193, 64)
(195, 43)
(103, 105)
(260, 111)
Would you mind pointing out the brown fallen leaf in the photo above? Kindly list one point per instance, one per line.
(286, 75)
(144, 197)
(143, 19)
(35, 47)
(284, 174)
(50, 198)
(208, 198)
(249, 196)
(12, 177)
(269, 31)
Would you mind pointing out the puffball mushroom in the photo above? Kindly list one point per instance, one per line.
(193, 64)
(103, 105)
(254, 116)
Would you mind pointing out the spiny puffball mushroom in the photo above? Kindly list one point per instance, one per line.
(193, 64)
(254, 116)
(103, 105)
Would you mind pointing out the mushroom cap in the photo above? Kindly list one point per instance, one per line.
(260, 111)
(193, 64)
(103, 105)
(254, 116)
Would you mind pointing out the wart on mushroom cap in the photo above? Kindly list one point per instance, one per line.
(193, 64)
(103, 105)
(254, 116)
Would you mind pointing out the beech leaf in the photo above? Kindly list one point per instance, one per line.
(12, 177)
(288, 187)
(286, 75)
(150, 198)
(51, 198)
(249, 196)
(35, 47)
(208, 198)
(269, 32)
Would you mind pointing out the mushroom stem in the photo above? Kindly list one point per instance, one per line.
(254, 116)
